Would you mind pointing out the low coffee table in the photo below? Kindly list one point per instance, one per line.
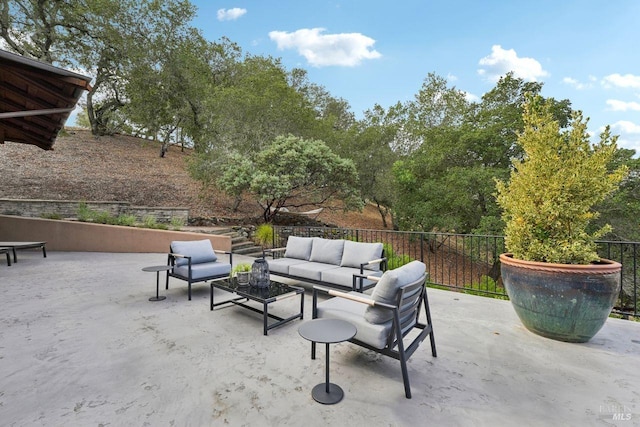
(275, 292)
(327, 331)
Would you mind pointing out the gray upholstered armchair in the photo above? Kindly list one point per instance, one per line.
(387, 318)
(196, 261)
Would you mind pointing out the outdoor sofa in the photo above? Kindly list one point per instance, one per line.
(335, 263)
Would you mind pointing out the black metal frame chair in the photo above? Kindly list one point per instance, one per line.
(406, 312)
(171, 261)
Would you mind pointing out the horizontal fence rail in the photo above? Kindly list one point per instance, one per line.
(466, 263)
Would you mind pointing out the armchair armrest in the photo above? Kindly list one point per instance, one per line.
(340, 294)
(272, 252)
(171, 258)
(362, 276)
(226, 253)
(382, 261)
(179, 256)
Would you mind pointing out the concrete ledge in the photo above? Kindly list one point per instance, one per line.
(75, 236)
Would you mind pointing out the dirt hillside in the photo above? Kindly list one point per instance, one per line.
(124, 168)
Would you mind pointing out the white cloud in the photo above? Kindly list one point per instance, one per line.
(502, 61)
(230, 14)
(346, 49)
(452, 77)
(471, 97)
(577, 84)
(616, 105)
(626, 81)
(626, 127)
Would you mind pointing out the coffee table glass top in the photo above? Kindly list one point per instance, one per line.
(274, 290)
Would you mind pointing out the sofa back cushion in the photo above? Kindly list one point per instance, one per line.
(386, 290)
(327, 251)
(356, 253)
(298, 247)
(199, 250)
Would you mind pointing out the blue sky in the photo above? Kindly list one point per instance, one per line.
(374, 51)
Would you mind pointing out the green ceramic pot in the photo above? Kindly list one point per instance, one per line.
(563, 302)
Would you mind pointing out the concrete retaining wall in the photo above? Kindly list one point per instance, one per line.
(34, 208)
(74, 236)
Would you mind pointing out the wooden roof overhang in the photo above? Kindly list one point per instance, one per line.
(36, 99)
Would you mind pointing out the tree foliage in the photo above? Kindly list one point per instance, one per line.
(447, 181)
(292, 172)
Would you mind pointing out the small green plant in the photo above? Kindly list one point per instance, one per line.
(242, 267)
(51, 215)
(84, 213)
(126, 220)
(395, 260)
(151, 222)
(264, 234)
(176, 223)
(547, 204)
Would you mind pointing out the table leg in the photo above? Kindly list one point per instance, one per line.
(265, 317)
(327, 368)
(327, 393)
(157, 297)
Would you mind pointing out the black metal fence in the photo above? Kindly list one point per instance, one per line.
(465, 262)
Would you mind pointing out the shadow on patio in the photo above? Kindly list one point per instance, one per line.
(81, 344)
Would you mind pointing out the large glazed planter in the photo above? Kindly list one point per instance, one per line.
(564, 302)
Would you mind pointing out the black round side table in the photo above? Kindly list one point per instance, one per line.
(157, 269)
(327, 331)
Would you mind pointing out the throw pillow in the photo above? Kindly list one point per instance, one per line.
(356, 253)
(326, 251)
(199, 250)
(298, 247)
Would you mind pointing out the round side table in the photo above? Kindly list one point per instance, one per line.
(157, 269)
(327, 331)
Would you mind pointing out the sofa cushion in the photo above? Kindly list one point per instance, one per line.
(343, 276)
(199, 250)
(281, 265)
(386, 290)
(353, 312)
(327, 251)
(310, 270)
(298, 247)
(356, 253)
(203, 271)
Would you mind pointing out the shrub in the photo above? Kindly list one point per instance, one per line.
(548, 202)
(394, 260)
(264, 235)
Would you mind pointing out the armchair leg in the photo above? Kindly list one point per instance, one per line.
(427, 312)
(405, 375)
(189, 291)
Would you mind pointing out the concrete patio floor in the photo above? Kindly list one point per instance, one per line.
(81, 345)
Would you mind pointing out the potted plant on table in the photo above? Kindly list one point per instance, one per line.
(241, 272)
(558, 285)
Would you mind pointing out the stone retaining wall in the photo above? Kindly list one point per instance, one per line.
(69, 209)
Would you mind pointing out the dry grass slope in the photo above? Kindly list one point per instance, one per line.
(125, 168)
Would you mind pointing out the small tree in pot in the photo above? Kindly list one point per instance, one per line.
(558, 285)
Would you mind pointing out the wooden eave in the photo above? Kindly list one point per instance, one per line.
(36, 99)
